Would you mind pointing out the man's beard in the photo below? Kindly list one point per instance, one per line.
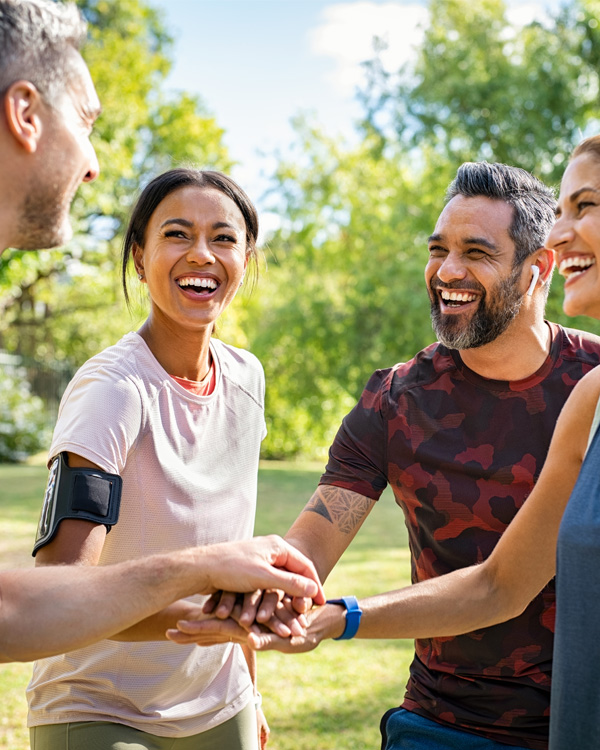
(495, 312)
(44, 220)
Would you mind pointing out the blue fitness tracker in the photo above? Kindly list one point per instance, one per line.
(353, 615)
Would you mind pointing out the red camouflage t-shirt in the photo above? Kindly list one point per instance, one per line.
(461, 454)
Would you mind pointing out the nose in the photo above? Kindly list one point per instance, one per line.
(200, 252)
(561, 233)
(450, 268)
(93, 166)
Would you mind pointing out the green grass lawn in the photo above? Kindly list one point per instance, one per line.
(330, 699)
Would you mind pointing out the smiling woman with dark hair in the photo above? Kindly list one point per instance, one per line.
(177, 416)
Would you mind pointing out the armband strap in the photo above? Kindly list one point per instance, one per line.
(353, 615)
(87, 494)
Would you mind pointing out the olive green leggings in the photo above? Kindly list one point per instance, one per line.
(239, 733)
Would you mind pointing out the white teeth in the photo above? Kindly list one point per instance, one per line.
(457, 296)
(199, 282)
(575, 264)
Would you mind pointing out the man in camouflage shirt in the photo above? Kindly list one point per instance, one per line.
(460, 433)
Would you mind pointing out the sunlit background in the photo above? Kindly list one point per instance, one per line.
(259, 63)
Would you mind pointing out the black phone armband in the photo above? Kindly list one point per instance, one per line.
(87, 494)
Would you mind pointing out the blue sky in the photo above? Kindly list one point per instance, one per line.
(257, 63)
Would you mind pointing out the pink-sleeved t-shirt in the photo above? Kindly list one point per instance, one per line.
(189, 467)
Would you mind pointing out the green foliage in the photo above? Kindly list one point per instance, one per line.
(23, 426)
(344, 291)
(481, 88)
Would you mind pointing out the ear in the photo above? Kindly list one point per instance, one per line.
(137, 253)
(250, 252)
(23, 110)
(544, 259)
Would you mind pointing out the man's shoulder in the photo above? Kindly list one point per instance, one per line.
(425, 367)
(431, 363)
(580, 345)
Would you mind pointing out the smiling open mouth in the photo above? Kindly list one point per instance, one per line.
(575, 266)
(456, 299)
(199, 286)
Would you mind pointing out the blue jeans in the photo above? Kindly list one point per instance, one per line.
(405, 730)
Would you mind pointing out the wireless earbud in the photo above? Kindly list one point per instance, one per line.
(535, 275)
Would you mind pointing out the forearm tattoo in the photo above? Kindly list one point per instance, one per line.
(342, 508)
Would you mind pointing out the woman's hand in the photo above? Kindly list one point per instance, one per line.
(263, 728)
(249, 610)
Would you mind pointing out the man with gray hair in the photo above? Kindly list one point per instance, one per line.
(460, 432)
(49, 106)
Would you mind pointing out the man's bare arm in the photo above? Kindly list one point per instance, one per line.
(53, 609)
(329, 522)
(323, 530)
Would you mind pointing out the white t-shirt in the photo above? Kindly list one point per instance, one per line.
(189, 467)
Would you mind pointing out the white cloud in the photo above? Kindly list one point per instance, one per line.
(523, 13)
(346, 31)
(346, 34)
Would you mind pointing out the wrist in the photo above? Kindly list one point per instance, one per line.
(333, 620)
(193, 568)
(326, 621)
(352, 615)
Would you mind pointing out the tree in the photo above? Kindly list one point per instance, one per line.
(23, 429)
(481, 88)
(344, 292)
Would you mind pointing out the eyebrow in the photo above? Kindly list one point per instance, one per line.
(183, 222)
(467, 241)
(189, 224)
(573, 197)
(577, 193)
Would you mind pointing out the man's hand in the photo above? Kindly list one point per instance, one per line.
(260, 563)
(208, 632)
(324, 622)
(270, 612)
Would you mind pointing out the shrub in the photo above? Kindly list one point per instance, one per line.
(23, 419)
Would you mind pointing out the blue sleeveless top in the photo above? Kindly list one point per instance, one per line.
(575, 705)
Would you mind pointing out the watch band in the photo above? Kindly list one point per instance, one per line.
(353, 615)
